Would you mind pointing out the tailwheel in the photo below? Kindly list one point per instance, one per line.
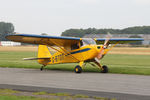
(42, 68)
(105, 69)
(78, 69)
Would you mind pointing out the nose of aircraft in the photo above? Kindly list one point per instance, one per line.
(99, 47)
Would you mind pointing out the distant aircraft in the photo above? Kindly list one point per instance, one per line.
(70, 49)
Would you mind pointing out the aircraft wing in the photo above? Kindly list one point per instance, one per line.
(118, 40)
(43, 39)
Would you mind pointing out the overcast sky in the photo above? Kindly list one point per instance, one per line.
(55, 16)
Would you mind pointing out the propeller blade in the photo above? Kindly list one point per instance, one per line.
(106, 44)
(100, 54)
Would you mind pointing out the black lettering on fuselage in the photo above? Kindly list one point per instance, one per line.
(57, 58)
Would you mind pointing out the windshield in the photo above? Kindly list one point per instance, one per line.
(87, 41)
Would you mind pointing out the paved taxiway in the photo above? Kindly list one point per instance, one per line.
(136, 85)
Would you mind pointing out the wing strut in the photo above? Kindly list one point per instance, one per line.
(113, 46)
(67, 52)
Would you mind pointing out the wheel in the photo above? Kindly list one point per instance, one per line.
(77, 69)
(105, 69)
(41, 68)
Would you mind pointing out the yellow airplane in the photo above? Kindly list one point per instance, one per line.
(70, 49)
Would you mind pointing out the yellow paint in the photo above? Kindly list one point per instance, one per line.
(81, 63)
(43, 52)
(77, 70)
(80, 55)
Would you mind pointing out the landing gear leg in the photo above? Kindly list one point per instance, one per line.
(104, 68)
(78, 68)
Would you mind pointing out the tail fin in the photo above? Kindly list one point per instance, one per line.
(43, 55)
(43, 51)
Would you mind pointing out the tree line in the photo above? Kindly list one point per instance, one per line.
(6, 29)
(129, 30)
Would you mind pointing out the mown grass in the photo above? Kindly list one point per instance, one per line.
(8, 94)
(117, 63)
(13, 97)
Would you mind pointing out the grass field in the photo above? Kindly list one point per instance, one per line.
(117, 63)
(8, 94)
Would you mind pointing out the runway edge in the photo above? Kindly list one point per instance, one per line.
(118, 96)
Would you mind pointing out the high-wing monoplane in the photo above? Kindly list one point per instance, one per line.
(71, 49)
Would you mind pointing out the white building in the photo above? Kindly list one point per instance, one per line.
(9, 43)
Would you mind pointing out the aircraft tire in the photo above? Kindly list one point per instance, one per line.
(41, 68)
(105, 69)
(78, 69)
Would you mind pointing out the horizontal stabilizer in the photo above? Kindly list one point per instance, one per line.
(35, 58)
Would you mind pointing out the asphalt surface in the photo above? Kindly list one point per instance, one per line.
(122, 87)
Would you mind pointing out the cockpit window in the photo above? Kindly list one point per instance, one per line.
(74, 46)
(88, 41)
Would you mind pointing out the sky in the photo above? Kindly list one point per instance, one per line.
(55, 16)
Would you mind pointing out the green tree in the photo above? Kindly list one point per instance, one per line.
(73, 33)
(129, 30)
(6, 29)
(137, 30)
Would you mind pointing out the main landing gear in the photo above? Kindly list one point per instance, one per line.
(78, 69)
(104, 69)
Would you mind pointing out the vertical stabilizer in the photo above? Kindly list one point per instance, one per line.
(43, 51)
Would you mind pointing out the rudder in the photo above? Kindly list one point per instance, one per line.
(43, 51)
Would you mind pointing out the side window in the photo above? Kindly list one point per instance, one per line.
(74, 46)
(81, 43)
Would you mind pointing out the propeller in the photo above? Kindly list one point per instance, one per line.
(106, 44)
